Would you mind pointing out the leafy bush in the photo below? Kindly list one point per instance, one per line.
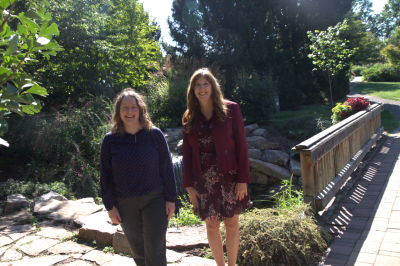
(286, 198)
(63, 145)
(276, 236)
(382, 72)
(32, 189)
(358, 69)
(302, 128)
(185, 216)
(255, 95)
(348, 108)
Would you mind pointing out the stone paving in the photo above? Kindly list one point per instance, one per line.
(367, 221)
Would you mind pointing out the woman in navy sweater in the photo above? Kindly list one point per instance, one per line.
(215, 162)
(137, 179)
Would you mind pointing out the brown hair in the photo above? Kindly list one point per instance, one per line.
(144, 117)
(193, 105)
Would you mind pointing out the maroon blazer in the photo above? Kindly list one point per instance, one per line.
(230, 144)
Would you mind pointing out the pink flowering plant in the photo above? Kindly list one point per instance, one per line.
(64, 144)
(352, 106)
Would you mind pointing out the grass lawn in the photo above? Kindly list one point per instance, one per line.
(388, 121)
(385, 90)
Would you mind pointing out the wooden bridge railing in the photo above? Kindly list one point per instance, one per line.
(329, 158)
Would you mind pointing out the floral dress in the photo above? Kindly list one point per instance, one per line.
(217, 191)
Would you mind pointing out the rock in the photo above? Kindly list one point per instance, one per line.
(51, 195)
(196, 261)
(17, 236)
(300, 181)
(99, 257)
(5, 224)
(15, 202)
(26, 240)
(37, 246)
(260, 132)
(65, 210)
(179, 145)
(2, 250)
(276, 157)
(120, 260)
(19, 228)
(11, 254)
(172, 145)
(85, 200)
(54, 232)
(270, 169)
(187, 237)
(261, 143)
(254, 153)
(78, 263)
(40, 261)
(274, 189)
(258, 178)
(5, 240)
(120, 243)
(97, 227)
(17, 215)
(173, 256)
(250, 128)
(260, 188)
(295, 167)
(69, 247)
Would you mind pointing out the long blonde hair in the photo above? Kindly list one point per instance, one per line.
(193, 105)
(144, 117)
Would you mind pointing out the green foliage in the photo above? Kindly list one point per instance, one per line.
(255, 95)
(280, 236)
(357, 70)
(108, 249)
(303, 127)
(32, 189)
(329, 51)
(185, 216)
(392, 54)
(382, 72)
(25, 37)
(340, 112)
(287, 198)
(63, 145)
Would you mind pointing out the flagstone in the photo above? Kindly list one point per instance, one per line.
(81, 263)
(69, 247)
(26, 240)
(98, 257)
(39, 261)
(173, 256)
(19, 228)
(5, 224)
(5, 240)
(54, 232)
(196, 261)
(17, 236)
(120, 260)
(2, 250)
(37, 246)
(11, 254)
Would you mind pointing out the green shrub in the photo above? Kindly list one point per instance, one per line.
(62, 145)
(255, 95)
(277, 236)
(382, 72)
(302, 128)
(286, 198)
(340, 112)
(357, 70)
(185, 216)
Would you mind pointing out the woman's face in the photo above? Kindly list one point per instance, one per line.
(129, 111)
(203, 89)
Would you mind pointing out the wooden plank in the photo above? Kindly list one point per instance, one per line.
(308, 182)
(330, 191)
(322, 147)
(317, 138)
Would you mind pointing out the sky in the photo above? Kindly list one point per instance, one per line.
(161, 9)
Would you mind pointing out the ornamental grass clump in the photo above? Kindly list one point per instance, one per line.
(277, 236)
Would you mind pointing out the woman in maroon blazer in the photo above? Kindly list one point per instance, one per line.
(215, 162)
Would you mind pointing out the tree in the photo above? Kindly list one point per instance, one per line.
(25, 38)
(392, 53)
(385, 22)
(330, 51)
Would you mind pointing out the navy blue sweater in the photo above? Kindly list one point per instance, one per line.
(135, 165)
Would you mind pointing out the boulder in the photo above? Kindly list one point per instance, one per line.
(15, 202)
(300, 181)
(97, 227)
(120, 243)
(255, 153)
(270, 169)
(258, 178)
(250, 128)
(179, 145)
(51, 195)
(295, 167)
(276, 157)
(66, 210)
(260, 132)
(261, 143)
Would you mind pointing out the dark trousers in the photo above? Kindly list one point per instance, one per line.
(145, 223)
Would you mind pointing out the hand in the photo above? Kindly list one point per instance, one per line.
(193, 194)
(240, 191)
(114, 216)
(169, 209)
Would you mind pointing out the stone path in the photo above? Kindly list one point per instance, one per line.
(367, 221)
